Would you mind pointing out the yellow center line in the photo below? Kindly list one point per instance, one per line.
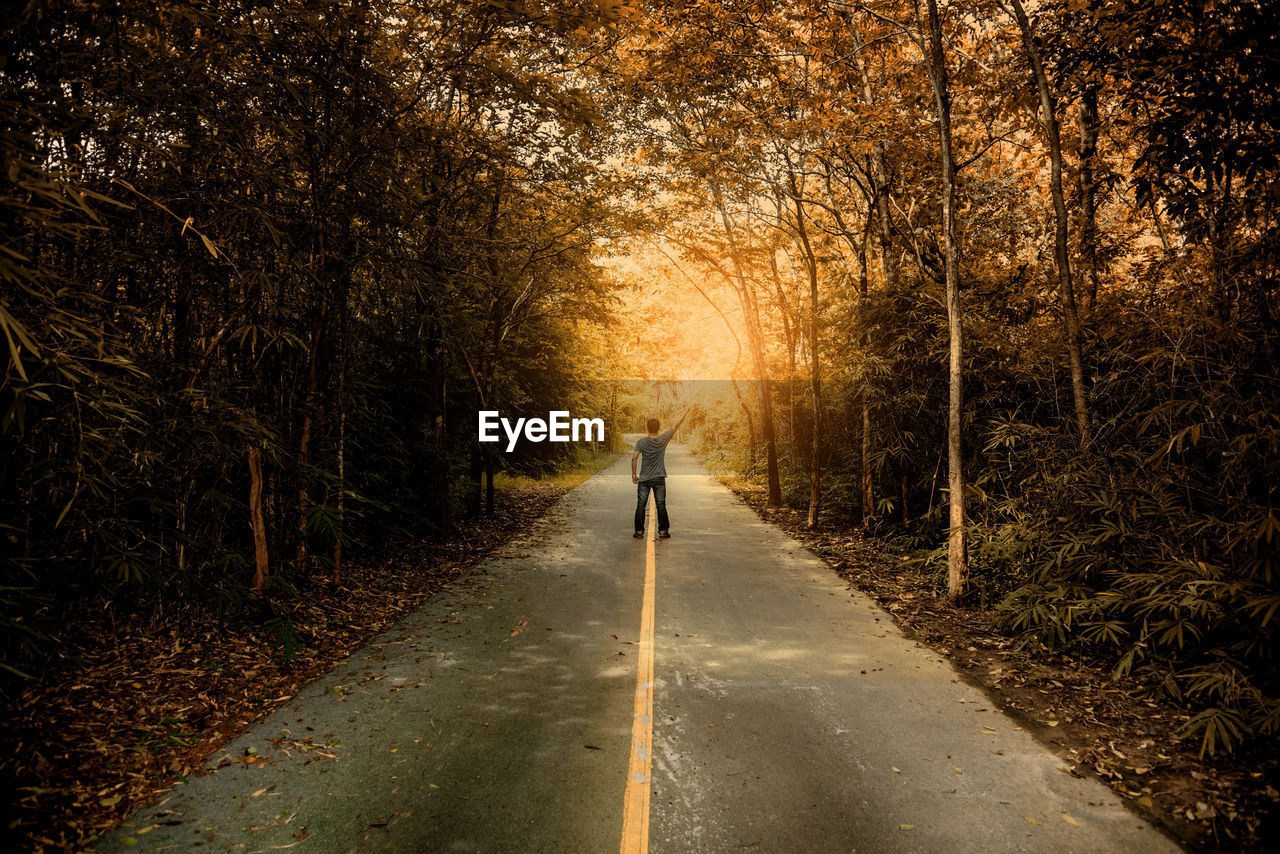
(635, 811)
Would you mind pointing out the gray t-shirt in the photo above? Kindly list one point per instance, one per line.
(653, 454)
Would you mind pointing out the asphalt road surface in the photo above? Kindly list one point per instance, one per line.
(513, 712)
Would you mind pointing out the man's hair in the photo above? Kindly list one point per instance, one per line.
(652, 425)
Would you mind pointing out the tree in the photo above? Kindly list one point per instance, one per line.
(1062, 252)
(247, 283)
(939, 80)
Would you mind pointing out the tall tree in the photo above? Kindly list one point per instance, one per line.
(1062, 251)
(940, 82)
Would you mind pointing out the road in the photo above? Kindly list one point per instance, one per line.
(789, 714)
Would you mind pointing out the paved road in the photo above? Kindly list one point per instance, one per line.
(789, 715)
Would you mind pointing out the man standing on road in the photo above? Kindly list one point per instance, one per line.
(653, 475)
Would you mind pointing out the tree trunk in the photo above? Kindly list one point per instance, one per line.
(342, 471)
(475, 479)
(1063, 256)
(751, 423)
(751, 319)
(343, 307)
(868, 482)
(790, 340)
(904, 488)
(484, 387)
(256, 521)
(489, 466)
(440, 471)
(888, 267)
(815, 363)
(309, 405)
(488, 454)
(957, 543)
(880, 178)
(1088, 201)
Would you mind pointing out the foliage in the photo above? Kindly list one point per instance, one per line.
(1149, 539)
(321, 236)
(321, 233)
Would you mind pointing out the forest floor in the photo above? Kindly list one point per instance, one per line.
(139, 702)
(1116, 731)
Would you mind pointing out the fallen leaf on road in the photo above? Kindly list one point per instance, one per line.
(1030, 820)
(906, 827)
(1069, 820)
(520, 627)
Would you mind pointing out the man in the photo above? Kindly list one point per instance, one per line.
(652, 450)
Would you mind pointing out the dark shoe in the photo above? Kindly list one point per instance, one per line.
(639, 535)
(664, 535)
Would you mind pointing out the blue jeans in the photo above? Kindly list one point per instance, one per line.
(659, 487)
